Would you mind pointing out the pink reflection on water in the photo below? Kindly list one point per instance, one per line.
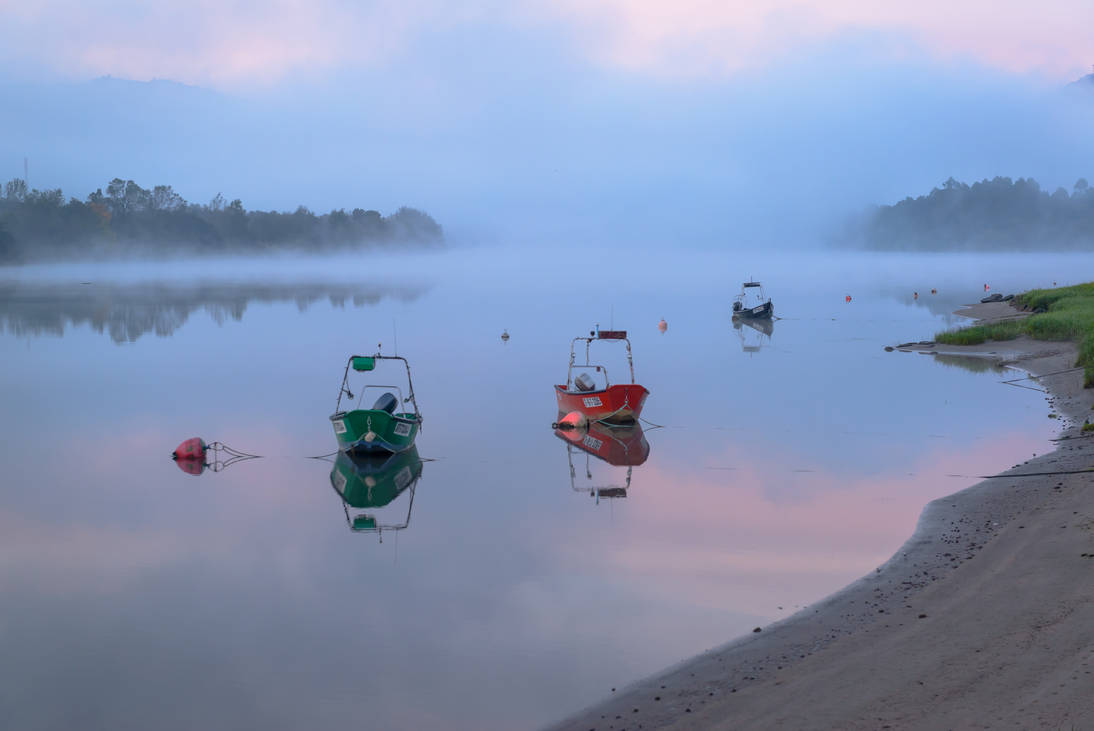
(762, 536)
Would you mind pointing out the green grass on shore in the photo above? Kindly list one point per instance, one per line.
(1064, 313)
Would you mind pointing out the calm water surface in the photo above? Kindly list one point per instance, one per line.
(134, 595)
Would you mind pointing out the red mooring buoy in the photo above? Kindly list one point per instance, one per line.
(191, 449)
(572, 420)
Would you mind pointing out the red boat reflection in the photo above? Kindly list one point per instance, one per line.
(617, 446)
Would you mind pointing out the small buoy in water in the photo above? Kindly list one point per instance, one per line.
(662, 326)
(572, 420)
(915, 295)
(370, 437)
(192, 448)
(848, 298)
(934, 291)
(505, 336)
(190, 456)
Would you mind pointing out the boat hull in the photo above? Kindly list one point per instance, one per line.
(618, 404)
(373, 431)
(759, 312)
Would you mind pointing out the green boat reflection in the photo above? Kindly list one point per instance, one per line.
(367, 482)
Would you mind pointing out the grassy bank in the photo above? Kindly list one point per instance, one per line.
(1064, 313)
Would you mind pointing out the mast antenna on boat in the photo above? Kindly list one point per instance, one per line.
(395, 336)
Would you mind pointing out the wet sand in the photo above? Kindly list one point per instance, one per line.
(983, 619)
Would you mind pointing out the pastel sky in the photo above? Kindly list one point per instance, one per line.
(536, 119)
(225, 43)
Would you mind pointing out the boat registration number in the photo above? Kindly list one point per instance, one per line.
(340, 483)
(590, 401)
(592, 443)
(402, 429)
(339, 427)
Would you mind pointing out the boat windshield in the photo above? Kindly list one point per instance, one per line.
(588, 367)
(752, 294)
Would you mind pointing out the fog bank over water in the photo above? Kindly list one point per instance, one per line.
(521, 143)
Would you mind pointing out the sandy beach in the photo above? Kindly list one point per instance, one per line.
(983, 619)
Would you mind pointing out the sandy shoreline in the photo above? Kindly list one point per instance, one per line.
(984, 618)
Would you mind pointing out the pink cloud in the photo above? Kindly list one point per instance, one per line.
(246, 41)
(704, 36)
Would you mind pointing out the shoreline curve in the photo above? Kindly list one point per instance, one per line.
(984, 617)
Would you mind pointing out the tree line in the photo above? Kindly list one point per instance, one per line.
(991, 215)
(129, 219)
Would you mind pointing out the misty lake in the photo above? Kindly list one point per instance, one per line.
(787, 464)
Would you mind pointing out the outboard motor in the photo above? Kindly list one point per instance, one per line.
(387, 403)
(584, 382)
(736, 306)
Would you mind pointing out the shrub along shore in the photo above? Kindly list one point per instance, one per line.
(1063, 313)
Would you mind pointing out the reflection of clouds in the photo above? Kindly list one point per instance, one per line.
(63, 560)
(128, 311)
(143, 515)
(727, 543)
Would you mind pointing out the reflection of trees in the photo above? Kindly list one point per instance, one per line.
(943, 304)
(127, 311)
(975, 364)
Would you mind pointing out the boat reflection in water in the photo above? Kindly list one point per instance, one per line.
(375, 481)
(617, 446)
(754, 333)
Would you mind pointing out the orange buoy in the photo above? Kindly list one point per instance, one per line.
(848, 298)
(662, 326)
(191, 449)
(572, 420)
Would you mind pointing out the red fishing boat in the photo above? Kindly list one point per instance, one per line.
(591, 392)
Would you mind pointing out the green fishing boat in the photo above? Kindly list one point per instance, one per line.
(369, 482)
(388, 426)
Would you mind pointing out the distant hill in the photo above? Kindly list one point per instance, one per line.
(130, 220)
(1086, 82)
(992, 215)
